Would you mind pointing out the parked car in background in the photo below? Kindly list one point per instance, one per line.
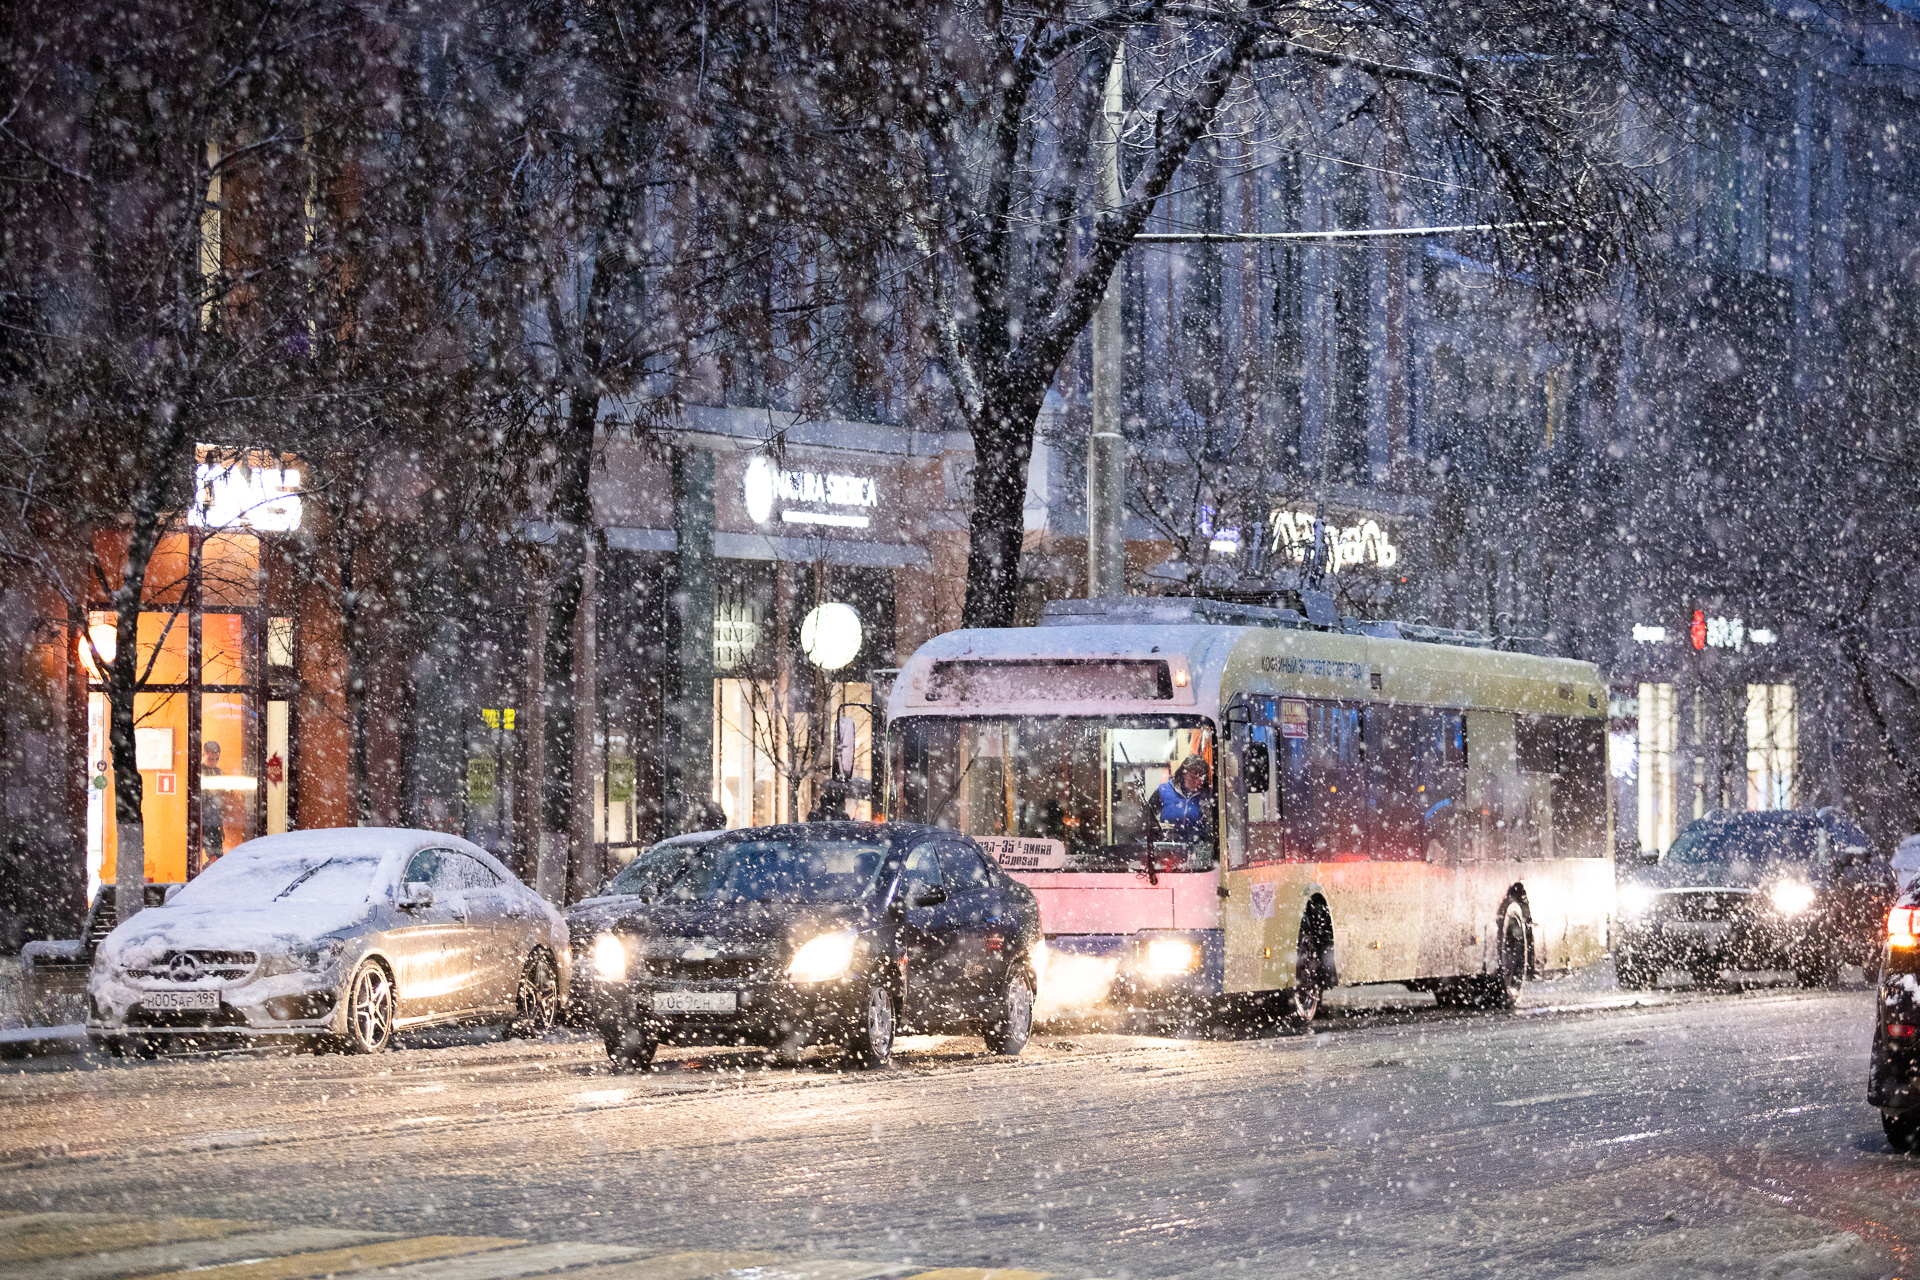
(838, 932)
(1906, 863)
(651, 871)
(1893, 1078)
(332, 938)
(1775, 890)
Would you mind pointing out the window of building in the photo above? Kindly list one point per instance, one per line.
(1659, 728)
(1773, 746)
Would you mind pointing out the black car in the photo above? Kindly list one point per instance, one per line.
(820, 932)
(650, 872)
(1771, 890)
(1893, 1079)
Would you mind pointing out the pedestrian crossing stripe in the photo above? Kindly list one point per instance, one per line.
(73, 1246)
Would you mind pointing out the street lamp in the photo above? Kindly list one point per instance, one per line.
(831, 636)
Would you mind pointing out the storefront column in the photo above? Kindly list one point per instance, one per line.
(689, 718)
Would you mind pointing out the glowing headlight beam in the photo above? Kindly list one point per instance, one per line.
(1791, 897)
(610, 957)
(1171, 955)
(825, 957)
(1635, 900)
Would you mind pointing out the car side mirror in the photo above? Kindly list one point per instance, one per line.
(414, 895)
(1649, 857)
(925, 895)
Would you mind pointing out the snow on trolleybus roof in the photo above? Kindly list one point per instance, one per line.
(1173, 654)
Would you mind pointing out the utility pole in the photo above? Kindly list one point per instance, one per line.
(1107, 446)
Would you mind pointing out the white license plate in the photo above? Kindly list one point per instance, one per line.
(1698, 928)
(181, 1000)
(693, 1002)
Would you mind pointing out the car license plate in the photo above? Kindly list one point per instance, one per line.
(181, 1000)
(1699, 928)
(693, 1002)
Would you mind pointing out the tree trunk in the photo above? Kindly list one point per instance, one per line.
(585, 871)
(1003, 445)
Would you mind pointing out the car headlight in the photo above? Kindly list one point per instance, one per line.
(1791, 897)
(827, 956)
(1171, 955)
(311, 958)
(609, 958)
(1635, 900)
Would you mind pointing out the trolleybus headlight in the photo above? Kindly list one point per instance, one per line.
(1171, 955)
(609, 957)
(1791, 897)
(827, 956)
(1635, 900)
(1903, 924)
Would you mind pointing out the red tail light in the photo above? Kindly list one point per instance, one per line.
(1902, 924)
(1900, 1030)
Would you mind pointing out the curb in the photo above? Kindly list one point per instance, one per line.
(42, 1042)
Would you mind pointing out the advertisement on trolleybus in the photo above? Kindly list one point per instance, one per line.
(1217, 803)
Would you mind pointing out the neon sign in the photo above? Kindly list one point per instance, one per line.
(1365, 543)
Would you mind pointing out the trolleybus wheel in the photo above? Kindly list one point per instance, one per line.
(1313, 964)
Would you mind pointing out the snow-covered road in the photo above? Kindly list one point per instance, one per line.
(1720, 1134)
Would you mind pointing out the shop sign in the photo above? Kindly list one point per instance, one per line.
(1365, 542)
(620, 776)
(768, 489)
(482, 777)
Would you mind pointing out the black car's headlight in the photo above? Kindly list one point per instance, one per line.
(1635, 901)
(609, 958)
(826, 957)
(1791, 897)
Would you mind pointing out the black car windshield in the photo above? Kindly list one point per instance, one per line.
(780, 871)
(647, 875)
(1788, 841)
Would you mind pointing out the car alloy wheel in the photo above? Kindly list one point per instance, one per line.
(871, 1042)
(538, 999)
(1012, 1023)
(369, 1010)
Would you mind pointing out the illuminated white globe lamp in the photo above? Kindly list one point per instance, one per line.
(830, 636)
(757, 489)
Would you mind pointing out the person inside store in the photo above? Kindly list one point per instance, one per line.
(213, 816)
(1180, 810)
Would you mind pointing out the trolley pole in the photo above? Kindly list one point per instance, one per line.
(1107, 445)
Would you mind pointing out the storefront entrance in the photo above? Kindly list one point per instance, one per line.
(213, 718)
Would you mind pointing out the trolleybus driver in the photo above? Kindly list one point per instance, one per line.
(1180, 810)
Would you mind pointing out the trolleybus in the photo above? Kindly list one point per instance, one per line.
(1379, 803)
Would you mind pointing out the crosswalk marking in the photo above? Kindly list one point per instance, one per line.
(818, 1269)
(78, 1246)
(80, 1234)
(508, 1263)
(182, 1255)
(691, 1265)
(365, 1257)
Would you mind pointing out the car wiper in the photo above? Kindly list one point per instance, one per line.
(301, 879)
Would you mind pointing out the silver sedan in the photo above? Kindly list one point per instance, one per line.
(332, 938)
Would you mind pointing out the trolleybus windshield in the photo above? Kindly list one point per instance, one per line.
(1062, 793)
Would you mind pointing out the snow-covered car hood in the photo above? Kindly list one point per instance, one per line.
(1722, 875)
(158, 930)
(743, 923)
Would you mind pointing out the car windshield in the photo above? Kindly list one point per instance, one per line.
(780, 871)
(653, 870)
(262, 883)
(1706, 843)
